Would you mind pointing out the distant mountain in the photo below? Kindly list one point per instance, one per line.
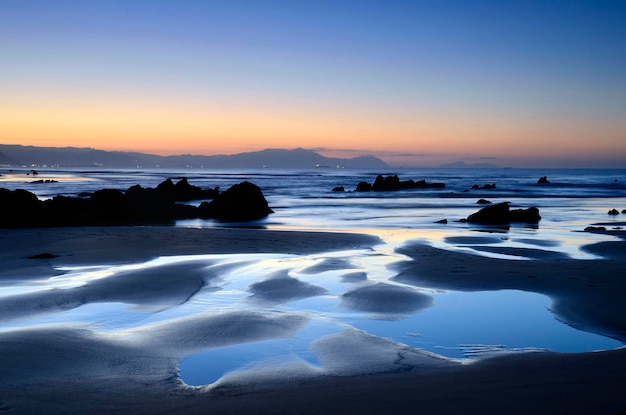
(7, 161)
(88, 157)
(464, 165)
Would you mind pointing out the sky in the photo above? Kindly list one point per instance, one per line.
(416, 83)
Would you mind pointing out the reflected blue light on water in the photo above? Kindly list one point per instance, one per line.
(499, 320)
(459, 325)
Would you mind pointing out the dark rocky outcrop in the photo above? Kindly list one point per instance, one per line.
(339, 189)
(501, 214)
(44, 181)
(135, 206)
(45, 255)
(393, 183)
(182, 191)
(242, 202)
(613, 212)
(483, 202)
(363, 187)
(595, 229)
(543, 180)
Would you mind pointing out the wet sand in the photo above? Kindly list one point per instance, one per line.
(66, 369)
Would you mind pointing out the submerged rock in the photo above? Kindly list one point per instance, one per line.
(543, 180)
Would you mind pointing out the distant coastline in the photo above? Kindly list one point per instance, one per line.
(41, 157)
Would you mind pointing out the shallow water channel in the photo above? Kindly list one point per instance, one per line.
(352, 290)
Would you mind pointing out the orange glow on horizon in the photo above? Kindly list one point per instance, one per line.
(209, 128)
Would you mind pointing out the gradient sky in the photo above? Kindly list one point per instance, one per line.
(417, 83)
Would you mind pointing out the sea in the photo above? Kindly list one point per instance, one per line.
(304, 200)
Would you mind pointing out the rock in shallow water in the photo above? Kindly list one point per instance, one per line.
(500, 214)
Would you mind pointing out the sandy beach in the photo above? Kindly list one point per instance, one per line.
(62, 368)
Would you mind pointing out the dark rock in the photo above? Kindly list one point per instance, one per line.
(613, 212)
(483, 202)
(45, 255)
(85, 194)
(595, 228)
(182, 211)
(543, 180)
(500, 214)
(241, 202)
(41, 181)
(166, 186)
(136, 206)
(623, 210)
(183, 191)
(20, 208)
(529, 215)
(144, 206)
(67, 211)
(493, 214)
(393, 183)
(107, 207)
(386, 183)
(339, 189)
(442, 221)
(363, 187)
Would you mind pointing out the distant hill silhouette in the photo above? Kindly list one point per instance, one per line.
(7, 161)
(17, 155)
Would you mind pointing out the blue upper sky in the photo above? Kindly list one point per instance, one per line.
(417, 75)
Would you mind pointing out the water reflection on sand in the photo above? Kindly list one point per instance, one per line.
(337, 305)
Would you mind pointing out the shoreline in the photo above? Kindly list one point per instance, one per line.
(74, 370)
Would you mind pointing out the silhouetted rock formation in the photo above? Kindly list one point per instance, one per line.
(339, 189)
(393, 183)
(242, 202)
(136, 206)
(595, 228)
(182, 191)
(45, 255)
(543, 180)
(44, 181)
(613, 212)
(500, 214)
(483, 202)
(363, 187)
